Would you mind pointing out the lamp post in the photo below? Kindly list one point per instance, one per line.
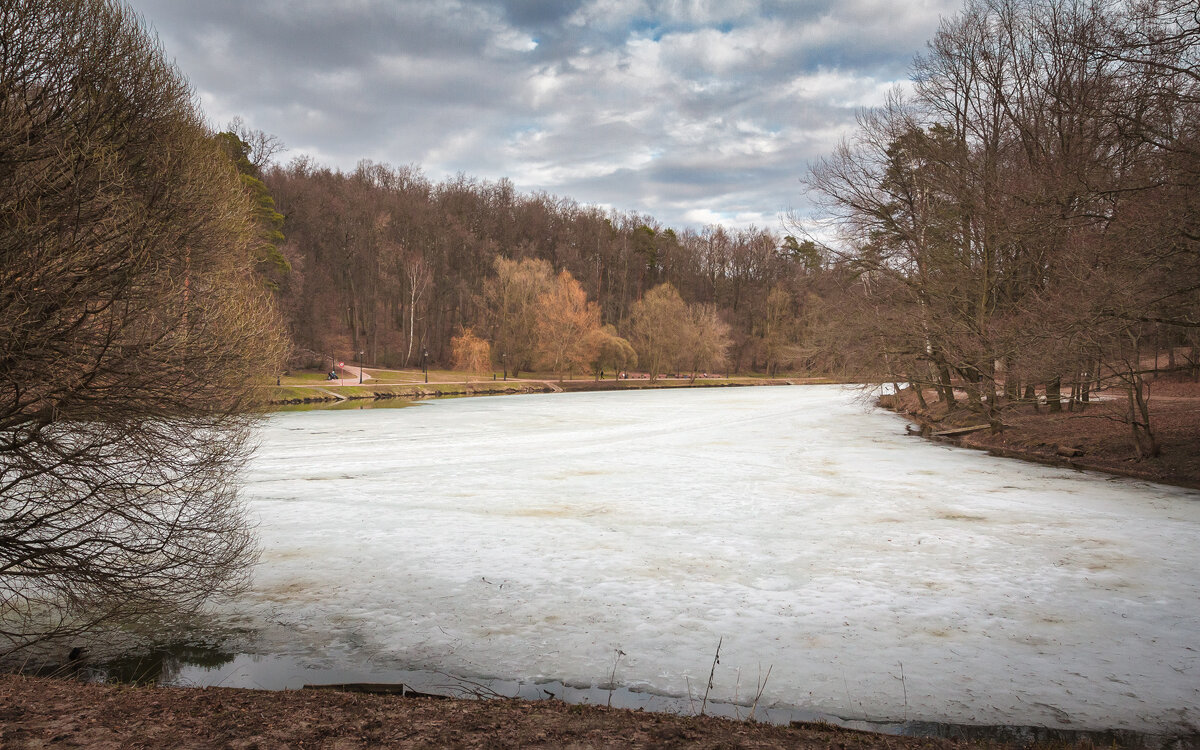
(360, 365)
(504, 364)
(425, 363)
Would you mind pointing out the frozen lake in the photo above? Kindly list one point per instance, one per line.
(532, 538)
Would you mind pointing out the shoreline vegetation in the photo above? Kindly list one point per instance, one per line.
(1091, 436)
(300, 390)
(41, 711)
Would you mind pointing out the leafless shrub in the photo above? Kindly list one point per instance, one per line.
(131, 331)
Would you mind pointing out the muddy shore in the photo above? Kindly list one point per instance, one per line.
(41, 713)
(1093, 436)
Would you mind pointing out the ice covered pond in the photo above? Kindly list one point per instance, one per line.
(533, 538)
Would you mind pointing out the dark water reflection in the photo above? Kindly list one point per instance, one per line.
(192, 666)
(346, 405)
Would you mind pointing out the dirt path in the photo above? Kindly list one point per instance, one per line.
(352, 380)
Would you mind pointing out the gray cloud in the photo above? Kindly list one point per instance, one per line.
(688, 110)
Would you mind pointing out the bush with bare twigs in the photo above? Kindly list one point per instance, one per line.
(131, 331)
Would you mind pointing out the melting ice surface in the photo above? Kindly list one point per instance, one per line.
(531, 537)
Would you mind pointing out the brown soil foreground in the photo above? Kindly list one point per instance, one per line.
(1095, 436)
(40, 713)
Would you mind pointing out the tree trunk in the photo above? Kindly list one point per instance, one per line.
(1054, 395)
(920, 396)
(1012, 388)
(946, 389)
(1145, 444)
(412, 314)
(973, 383)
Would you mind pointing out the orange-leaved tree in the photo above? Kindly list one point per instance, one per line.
(565, 326)
(471, 353)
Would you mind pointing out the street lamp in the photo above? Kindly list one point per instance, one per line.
(425, 363)
(504, 364)
(360, 364)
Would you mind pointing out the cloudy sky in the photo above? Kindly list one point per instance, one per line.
(691, 111)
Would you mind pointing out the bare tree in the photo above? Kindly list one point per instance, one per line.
(471, 353)
(418, 279)
(610, 352)
(511, 301)
(777, 327)
(131, 331)
(261, 147)
(1030, 217)
(566, 326)
(657, 328)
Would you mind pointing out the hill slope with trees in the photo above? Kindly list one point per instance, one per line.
(388, 263)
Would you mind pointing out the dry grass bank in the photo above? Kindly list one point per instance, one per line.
(41, 713)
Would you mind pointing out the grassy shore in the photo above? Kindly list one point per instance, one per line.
(284, 395)
(314, 388)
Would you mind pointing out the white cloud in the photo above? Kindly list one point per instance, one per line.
(689, 110)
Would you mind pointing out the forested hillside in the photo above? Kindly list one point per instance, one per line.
(386, 262)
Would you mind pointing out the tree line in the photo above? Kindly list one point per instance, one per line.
(536, 318)
(1023, 225)
(387, 263)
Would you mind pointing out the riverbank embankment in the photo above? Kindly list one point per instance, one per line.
(39, 713)
(290, 395)
(275, 396)
(1094, 436)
